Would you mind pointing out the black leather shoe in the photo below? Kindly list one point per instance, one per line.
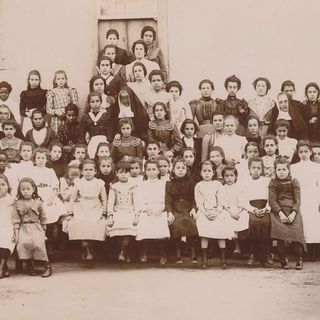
(299, 265)
(47, 271)
(30, 268)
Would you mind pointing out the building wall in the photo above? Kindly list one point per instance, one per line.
(207, 39)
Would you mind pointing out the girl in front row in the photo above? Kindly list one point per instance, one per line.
(181, 208)
(212, 223)
(286, 221)
(29, 223)
(153, 224)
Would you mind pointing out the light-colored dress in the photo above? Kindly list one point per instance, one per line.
(221, 227)
(121, 203)
(308, 175)
(287, 147)
(153, 222)
(46, 181)
(231, 198)
(87, 222)
(6, 226)
(22, 169)
(233, 146)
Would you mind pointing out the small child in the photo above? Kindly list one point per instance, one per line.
(24, 167)
(216, 155)
(106, 172)
(10, 144)
(57, 160)
(103, 150)
(29, 223)
(181, 207)
(212, 222)
(270, 146)
(87, 214)
(9, 172)
(316, 153)
(58, 98)
(164, 168)
(153, 222)
(6, 229)
(232, 144)
(68, 132)
(67, 181)
(286, 220)
(152, 150)
(122, 215)
(286, 146)
(135, 170)
(80, 152)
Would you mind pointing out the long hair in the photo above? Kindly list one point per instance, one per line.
(55, 75)
(35, 194)
(33, 73)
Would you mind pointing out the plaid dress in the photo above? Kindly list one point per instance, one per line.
(58, 98)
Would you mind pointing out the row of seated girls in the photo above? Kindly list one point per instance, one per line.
(137, 163)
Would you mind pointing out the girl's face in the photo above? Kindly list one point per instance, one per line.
(26, 153)
(232, 88)
(105, 167)
(135, 170)
(88, 171)
(270, 147)
(255, 169)
(312, 94)
(152, 151)
(3, 162)
(304, 153)
(103, 152)
(230, 127)
(253, 127)
(80, 154)
(152, 171)
(4, 94)
(156, 83)
(169, 155)
(189, 130)
(99, 85)
(56, 153)
(126, 130)
(218, 122)
(105, 67)
(60, 80)
(34, 81)
(138, 73)
(148, 37)
(229, 177)
(40, 159)
(4, 114)
(175, 92)
(163, 167)
(71, 116)
(159, 112)
(282, 132)
(139, 52)
(283, 103)
(180, 169)
(124, 99)
(252, 151)
(3, 187)
(261, 88)
(188, 157)
(27, 190)
(110, 53)
(206, 90)
(74, 173)
(316, 154)
(123, 175)
(38, 120)
(216, 157)
(95, 103)
(112, 39)
(9, 131)
(207, 172)
(282, 171)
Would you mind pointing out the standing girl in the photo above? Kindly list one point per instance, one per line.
(122, 215)
(32, 98)
(58, 98)
(29, 223)
(308, 175)
(181, 208)
(153, 222)
(6, 229)
(87, 214)
(212, 222)
(286, 220)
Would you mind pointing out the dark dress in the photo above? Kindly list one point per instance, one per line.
(59, 167)
(284, 195)
(310, 110)
(197, 147)
(68, 137)
(33, 99)
(179, 200)
(131, 146)
(107, 179)
(259, 228)
(48, 139)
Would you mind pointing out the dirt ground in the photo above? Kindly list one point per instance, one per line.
(103, 291)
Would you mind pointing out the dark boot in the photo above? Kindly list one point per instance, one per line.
(178, 255)
(204, 258)
(6, 271)
(194, 258)
(30, 268)
(299, 265)
(1, 268)
(47, 272)
(223, 258)
(284, 263)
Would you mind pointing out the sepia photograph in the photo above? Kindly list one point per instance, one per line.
(159, 160)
